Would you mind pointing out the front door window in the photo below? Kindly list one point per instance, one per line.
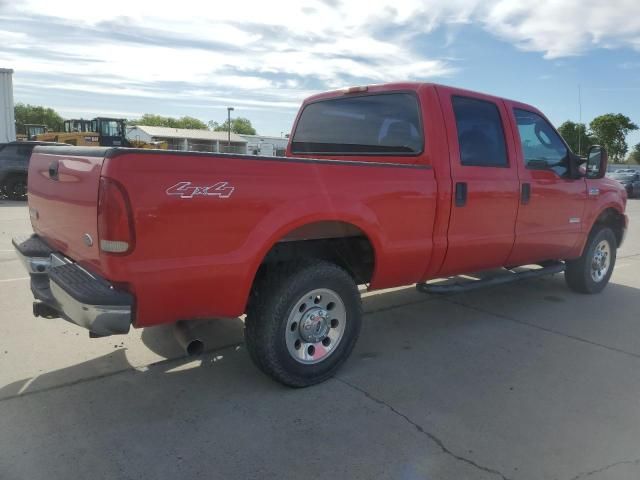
(542, 147)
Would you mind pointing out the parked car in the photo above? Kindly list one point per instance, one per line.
(630, 180)
(381, 186)
(14, 165)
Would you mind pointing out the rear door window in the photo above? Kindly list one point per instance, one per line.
(480, 132)
(383, 124)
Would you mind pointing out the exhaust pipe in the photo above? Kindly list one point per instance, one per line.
(185, 334)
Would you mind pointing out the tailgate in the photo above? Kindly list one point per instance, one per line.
(63, 199)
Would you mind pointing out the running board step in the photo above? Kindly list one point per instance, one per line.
(547, 269)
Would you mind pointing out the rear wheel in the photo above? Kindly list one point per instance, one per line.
(16, 187)
(303, 321)
(591, 272)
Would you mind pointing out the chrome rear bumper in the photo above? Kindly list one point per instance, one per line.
(64, 289)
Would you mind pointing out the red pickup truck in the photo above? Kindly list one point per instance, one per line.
(381, 186)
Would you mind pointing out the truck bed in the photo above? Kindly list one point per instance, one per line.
(204, 221)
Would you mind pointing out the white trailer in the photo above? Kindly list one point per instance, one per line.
(7, 116)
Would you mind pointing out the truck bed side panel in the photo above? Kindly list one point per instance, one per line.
(208, 247)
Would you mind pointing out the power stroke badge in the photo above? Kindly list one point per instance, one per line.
(188, 190)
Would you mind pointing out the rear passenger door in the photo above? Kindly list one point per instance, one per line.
(485, 182)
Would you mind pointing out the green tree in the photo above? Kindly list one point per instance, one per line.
(238, 125)
(34, 114)
(634, 156)
(153, 120)
(191, 122)
(577, 136)
(611, 130)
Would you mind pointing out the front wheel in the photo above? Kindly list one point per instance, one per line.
(591, 272)
(303, 322)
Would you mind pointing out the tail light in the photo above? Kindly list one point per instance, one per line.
(115, 220)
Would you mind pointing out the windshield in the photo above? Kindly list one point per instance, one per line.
(111, 128)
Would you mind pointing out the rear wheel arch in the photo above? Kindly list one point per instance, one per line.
(341, 242)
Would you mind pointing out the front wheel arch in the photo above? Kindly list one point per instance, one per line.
(579, 272)
(612, 218)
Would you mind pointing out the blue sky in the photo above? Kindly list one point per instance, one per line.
(195, 58)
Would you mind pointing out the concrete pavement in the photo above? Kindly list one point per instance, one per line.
(525, 381)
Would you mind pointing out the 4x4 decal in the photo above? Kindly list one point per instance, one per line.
(187, 190)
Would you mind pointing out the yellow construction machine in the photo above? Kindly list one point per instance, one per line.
(101, 131)
(76, 132)
(31, 131)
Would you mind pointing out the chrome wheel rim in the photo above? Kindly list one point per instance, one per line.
(315, 326)
(601, 261)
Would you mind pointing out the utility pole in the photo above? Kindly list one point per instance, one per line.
(229, 110)
(579, 120)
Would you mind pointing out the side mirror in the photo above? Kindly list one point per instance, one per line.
(596, 162)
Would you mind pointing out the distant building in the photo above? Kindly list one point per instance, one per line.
(265, 145)
(188, 139)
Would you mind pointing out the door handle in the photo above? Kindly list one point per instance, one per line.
(525, 193)
(461, 194)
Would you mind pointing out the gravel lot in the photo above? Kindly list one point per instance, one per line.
(525, 381)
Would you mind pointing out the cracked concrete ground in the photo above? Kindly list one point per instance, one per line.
(524, 381)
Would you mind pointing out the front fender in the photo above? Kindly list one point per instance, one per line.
(610, 200)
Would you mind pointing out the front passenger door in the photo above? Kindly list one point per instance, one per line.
(550, 215)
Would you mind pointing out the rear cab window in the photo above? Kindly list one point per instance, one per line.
(377, 124)
(480, 132)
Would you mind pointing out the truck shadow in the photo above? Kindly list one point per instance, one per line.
(399, 308)
(216, 334)
(468, 367)
(486, 362)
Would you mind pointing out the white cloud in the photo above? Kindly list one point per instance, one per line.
(560, 28)
(273, 54)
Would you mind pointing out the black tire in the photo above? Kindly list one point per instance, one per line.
(276, 293)
(578, 273)
(16, 187)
